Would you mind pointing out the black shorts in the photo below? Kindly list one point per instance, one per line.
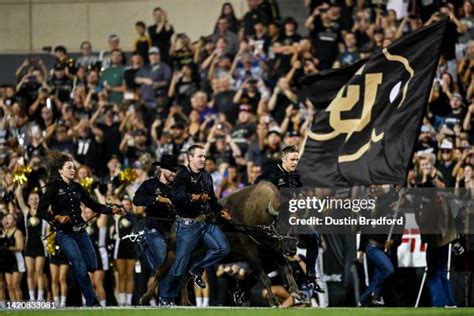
(16, 263)
(34, 250)
(58, 259)
(124, 249)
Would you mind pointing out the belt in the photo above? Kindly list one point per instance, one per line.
(199, 218)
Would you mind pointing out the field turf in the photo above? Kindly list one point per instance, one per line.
(242, 312)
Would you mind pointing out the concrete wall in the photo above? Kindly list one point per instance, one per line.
(28, 25)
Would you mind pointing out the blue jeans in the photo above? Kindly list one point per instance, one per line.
(383, 268)
(189, 233)
(440, 287)
(153, 249)
(78, 248)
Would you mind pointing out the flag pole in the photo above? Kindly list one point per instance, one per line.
(401, 192)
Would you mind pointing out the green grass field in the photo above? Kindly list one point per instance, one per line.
(244, 312)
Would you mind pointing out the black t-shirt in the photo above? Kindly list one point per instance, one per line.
(362, 38)
(285, 60)
(250, 18)
(129, 78)
(326, 41)
(182, 57)
(62, 87)
(241, 133)
(251, 100)
(161, 40)
(111, 140)
(183, 92)
(281, 105)
(142, 46)
(29, 92)
(453, 119)
(87, 152)
(440, 106)
(224, 156)
(224, 103)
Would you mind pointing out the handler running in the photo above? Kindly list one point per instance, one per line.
(64, 195)
(285, 175)
(194, 198)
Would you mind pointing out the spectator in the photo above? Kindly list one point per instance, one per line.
(350, 54)
(182, 52)
(112, 78)
(87, 59)
(63, 59)
(160, 33)
(227, 12)
(113, 41)
(132, 89)
(254, 14)
(60, 83)
(143, 43)
(231, 38)
(153, 78)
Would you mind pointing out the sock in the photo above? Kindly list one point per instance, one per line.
(153, 302)
(122, 298)
(103, 303)
(56, 301)
(83, 300)
(40, 295)
(198, 301)
(63, 301)
(205, 301)
(129, 298)
(32, 295)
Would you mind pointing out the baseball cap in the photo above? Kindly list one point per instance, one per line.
(59, 66)
(153, 50)
(446, 144)
(274, 130)
(245, 108)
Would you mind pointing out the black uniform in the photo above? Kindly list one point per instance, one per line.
(188, 183)
(13, 261)
(124, 249)
(65, 199)
(284, 179)
(146, 196)
(281, 178)
(35, 230)
(93, 230)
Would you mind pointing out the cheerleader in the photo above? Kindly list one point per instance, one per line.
(125, 255)
(35, 253)
(97, 231)
(59, 269)
(14, 243)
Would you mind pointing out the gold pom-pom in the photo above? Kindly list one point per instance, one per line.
(20, 175)
(51, 244)
(86, 183)
(127, 176)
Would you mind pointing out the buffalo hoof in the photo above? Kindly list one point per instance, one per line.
(145, 300)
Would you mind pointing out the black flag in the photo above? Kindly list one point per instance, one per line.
(368, 130)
